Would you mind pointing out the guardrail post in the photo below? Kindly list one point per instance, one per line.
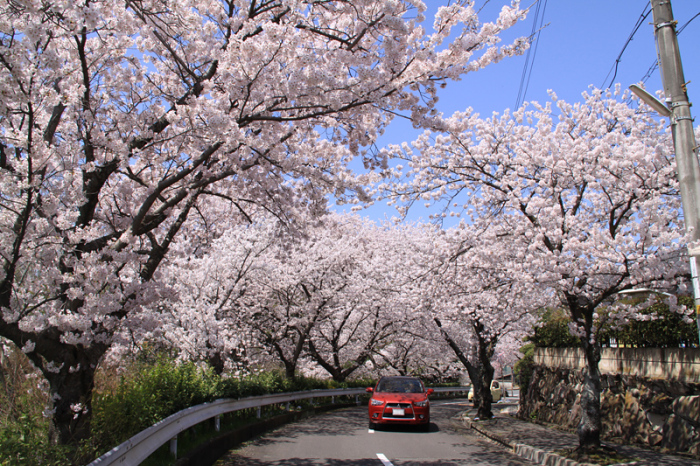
(287, 405)
(259, 412)
(173, 447)
(332, 400)
(357, 400)
(217, 423)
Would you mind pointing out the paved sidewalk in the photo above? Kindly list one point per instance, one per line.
(537, 443)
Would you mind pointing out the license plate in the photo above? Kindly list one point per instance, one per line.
(398, 412)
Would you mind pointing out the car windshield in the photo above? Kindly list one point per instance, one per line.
(400, 386)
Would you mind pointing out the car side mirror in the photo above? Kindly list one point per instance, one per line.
(430, 391)
(369, 389)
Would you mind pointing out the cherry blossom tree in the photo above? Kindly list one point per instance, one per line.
(294, 290)
(354, 329)
(479, 306)
(326, 301)
(373, 307)
(417, 350)
(121, 119)
(301, 298)
(203, 320)
(324, 296)
(588, 189)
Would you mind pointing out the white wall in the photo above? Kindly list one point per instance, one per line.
(681, 364)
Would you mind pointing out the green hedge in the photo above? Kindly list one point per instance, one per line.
(554, 332)
(148, 395)
(524, 367)
(668, 330)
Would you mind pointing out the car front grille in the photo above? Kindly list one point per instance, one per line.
(407, 411)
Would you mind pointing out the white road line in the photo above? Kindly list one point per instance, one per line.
(384, 459)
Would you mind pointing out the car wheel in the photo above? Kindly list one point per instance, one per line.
(425, 427)
(372, 425)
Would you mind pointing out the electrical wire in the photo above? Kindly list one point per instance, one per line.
(654, 66)
(531, 52)
(615, 66)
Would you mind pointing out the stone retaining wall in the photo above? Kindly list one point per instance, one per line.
(661, 413)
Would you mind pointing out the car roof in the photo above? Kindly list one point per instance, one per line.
(399, 377)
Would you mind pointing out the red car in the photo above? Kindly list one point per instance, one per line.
(399, 400)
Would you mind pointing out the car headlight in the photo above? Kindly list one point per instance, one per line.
(374, 402)
(422, 404)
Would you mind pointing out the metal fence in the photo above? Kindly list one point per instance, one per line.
(142, 445)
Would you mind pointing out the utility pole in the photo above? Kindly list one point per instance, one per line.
(682, 129)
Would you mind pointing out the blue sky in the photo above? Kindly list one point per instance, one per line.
(578, 47)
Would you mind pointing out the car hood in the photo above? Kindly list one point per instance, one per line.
(399, 397)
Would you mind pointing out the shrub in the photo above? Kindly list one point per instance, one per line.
(149, 391)
(26, 442)
(150, 394)
(24, 430)
(554, 331)
(667, 330)
(524, 367)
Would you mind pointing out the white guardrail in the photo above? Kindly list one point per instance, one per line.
(142, 445)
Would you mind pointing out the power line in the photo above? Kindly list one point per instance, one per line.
(654, 66)
(530, 58)
(646, 12)
(680, 29)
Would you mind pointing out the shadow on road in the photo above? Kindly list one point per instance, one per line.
(343, 421)
(477, 460)
(407, 428)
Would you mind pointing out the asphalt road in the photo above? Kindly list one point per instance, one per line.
(342, 438)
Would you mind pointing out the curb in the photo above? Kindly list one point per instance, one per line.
(495, 437)
(545, 458)
(535, 455)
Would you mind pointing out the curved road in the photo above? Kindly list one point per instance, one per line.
(341, 438)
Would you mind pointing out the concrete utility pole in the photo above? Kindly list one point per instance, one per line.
(682, 129)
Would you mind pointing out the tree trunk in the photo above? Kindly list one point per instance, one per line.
(217, 362)
(484, 352)
(71, 376)
(290, 363)
(482, 396)
(590, 425)
(477, 374)
(70, 372)
(72, 405)
(290, 369)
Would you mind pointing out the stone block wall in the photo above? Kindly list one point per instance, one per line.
(658, 413)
